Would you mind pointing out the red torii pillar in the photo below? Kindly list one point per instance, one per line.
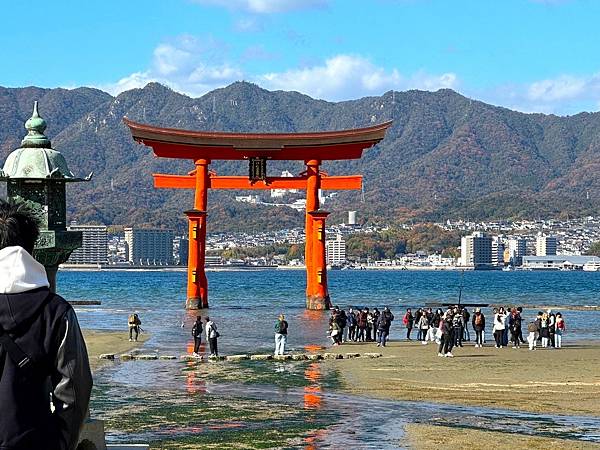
(197, 288)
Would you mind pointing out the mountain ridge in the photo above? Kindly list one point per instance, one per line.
(444, 156)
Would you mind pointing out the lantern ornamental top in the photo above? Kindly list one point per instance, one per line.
(36, 159)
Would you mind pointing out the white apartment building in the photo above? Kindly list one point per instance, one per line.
(545, 245)
(149, 246)
(476, 251)
(94, 248)
(517, 249)
(498, 251)
(336, 250)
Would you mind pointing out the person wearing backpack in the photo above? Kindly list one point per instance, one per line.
(478, 323)
(197, 334)
(45, 377)
(534, 328)
(281, 331)
(383, 326)
(134, 323)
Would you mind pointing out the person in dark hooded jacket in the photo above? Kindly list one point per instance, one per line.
(45, 378)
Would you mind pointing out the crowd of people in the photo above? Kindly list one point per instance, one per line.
(360, 325)
(451, 327)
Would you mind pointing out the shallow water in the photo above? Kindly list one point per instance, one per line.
(232, 405)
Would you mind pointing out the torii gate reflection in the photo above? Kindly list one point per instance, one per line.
(202, 147)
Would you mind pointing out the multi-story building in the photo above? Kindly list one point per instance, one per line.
(336, 250)
(184, 250)
(149, 246)
(545, 245)
(517, 249)
(94, 248)
(498, 251)
(476, 251)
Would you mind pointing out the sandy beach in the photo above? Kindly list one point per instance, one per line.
(99, 342)
(563, 381)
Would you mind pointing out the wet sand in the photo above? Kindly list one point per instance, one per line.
(99, 342)
(564, 381)
(432, 437)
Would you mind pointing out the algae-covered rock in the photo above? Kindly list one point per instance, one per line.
(145, 357)
(299, 357)
(237, 357)
(352, 355)
(191, 358)
(167, 357)
(261, 357)
(333, 356)
(126, 357)
(283, 357)
(107, 356)
(314, 357)
(372, 355)
(214, 358)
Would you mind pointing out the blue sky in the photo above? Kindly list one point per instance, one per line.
(529, 55)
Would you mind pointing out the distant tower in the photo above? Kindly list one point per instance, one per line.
(351, 217)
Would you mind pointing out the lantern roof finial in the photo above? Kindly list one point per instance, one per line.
(35, 127)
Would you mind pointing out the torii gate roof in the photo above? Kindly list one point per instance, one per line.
(216, 145)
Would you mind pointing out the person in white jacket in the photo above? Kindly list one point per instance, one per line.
(211, 336)
(45, 378)
(499, 326)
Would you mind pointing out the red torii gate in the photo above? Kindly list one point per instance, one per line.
(202, 147)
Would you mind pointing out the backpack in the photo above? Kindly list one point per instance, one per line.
(383, 321)
(197, 329)
(532, 327)
(478, 319)
(134, 319)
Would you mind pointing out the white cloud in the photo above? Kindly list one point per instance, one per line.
(344, 77)
(564, 94)
(265, 6)
(186, 64)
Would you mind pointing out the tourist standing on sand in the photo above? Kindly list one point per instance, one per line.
(533, 328)
(45, 378)
(466, 316)
(544, 333)
(478, 323)
(458, 325)
(408, 321)
(499, 327)
(281, 330)
(384, 323)
(423, 328)
(447, 338)
(343, 321)
(560, 329)
(551, 328)
(197, 334)
(520, 311)
(211, 336)
(375, 315)
(351, 318)
(515, 327)
(362, 324)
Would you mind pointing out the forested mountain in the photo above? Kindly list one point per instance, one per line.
(445, 156)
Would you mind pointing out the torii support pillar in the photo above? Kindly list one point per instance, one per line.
(197, 288)
(317, 295)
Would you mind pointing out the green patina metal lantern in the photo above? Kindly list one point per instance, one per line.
(37, 175)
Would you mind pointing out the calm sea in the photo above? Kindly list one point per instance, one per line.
(245, 304)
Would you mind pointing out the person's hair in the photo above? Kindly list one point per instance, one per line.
(18, 226)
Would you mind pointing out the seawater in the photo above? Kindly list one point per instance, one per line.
(245, 304)
(173, 404)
